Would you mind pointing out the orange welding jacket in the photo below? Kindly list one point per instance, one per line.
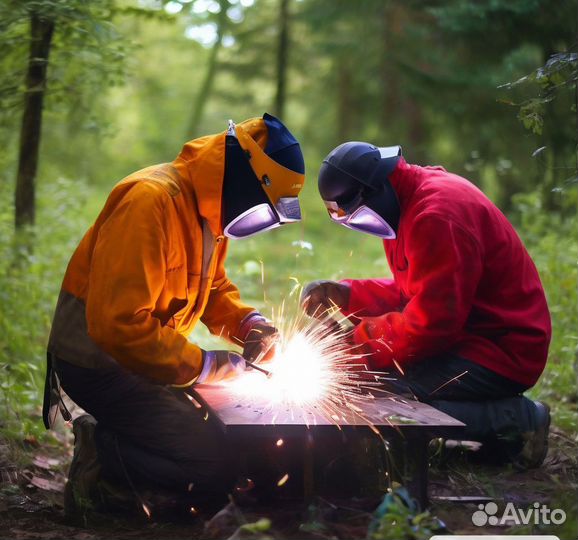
(152, 265)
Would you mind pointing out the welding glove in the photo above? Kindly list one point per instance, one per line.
(260, 343)
(320, 297)
(259, 338)
(220, 365)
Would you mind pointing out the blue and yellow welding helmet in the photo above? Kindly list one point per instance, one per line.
(261, 185)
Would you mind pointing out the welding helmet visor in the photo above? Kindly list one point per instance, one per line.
(260, 187)
(363, 219)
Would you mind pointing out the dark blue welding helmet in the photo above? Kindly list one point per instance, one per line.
(354, 184)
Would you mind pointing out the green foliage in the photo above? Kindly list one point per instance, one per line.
(552, 240)
(397, 518)
(558, 75)
(258, 527)
(29, 285)
(87, 56)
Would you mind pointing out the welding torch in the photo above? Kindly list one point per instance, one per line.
(252, 362)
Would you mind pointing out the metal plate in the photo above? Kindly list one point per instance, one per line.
(381, 412)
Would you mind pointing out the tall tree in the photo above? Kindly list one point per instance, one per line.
(41, 31)
(72, 47)
(282, 58)
(495, 41)
(200, 102)
(246, 71)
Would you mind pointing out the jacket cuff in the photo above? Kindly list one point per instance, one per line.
(378, 356)
(361, 335)
(249, 322)
(209, 359)
(347, 310)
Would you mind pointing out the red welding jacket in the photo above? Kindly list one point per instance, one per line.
(463, 283)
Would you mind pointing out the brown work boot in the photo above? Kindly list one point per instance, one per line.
(535, 446)
(81, 491)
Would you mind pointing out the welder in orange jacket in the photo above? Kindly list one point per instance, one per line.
(464, 323)
(151, 267)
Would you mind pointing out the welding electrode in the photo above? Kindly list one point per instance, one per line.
(254, 366)
(251, 361)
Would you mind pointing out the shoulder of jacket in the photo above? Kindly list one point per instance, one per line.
(141, 196)
(163, 176)
(436, 220)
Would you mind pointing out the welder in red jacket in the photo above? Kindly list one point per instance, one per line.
(464, 322)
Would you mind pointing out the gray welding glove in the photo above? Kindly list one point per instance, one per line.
(259, 338)
(319, 297)
(220, 365)
(260, 343)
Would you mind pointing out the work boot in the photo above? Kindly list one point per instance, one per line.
(536, 442)
(81, 492)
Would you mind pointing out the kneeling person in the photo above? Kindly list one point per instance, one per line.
(149, 269)
(464, 322)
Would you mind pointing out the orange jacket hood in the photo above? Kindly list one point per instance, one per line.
(201, 163)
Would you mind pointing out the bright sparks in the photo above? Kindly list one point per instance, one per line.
(146, 510)
(300, 374)
(314, 367)
(282, 481)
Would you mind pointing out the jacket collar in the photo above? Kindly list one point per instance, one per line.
(403, 179)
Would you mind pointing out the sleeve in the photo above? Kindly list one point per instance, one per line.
(225, 312)
(445, 266)
(372, 297)
(127, 276)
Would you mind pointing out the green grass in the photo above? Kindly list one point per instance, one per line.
(29, 285)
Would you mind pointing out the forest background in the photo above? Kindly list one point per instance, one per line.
(486, 89)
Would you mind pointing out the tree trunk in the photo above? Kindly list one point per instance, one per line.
(41, 31)
(576, 116)
(413, 115)
(206, 87)
(388, 76)
(282, 58)
(345, 105)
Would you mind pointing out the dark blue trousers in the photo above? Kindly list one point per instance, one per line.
(151, 433)
(492, 407)
(157, 437)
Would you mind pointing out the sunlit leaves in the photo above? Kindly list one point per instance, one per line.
(87, 53)
(558, 74)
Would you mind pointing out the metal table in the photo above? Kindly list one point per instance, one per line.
(406, 426)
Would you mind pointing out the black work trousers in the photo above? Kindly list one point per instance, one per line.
(151, 433)
(492, 406)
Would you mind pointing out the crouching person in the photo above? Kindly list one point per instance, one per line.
(150, 268)
(464, 323)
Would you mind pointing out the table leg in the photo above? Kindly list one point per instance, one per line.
(417, 470)
(308, 469)
(410, 465)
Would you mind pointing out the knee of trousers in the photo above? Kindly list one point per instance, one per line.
(120, 458)
(216, 476)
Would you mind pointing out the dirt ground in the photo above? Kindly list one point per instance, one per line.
(33, 478)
